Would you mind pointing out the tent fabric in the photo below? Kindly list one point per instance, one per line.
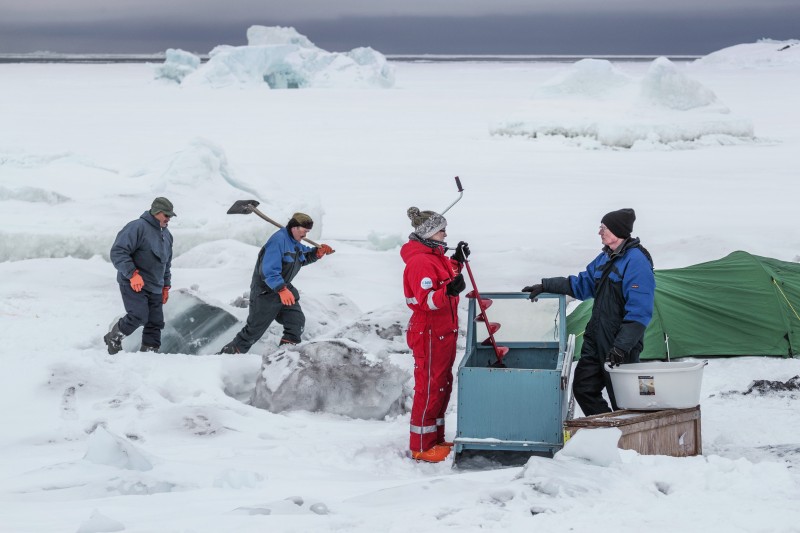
(741, 304)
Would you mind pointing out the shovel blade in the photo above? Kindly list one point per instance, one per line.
(243, 207)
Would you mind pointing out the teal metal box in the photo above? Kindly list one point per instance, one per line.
(522, 406)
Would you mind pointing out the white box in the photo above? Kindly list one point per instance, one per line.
(657, 385)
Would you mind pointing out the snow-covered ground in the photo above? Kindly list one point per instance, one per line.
(169, 442)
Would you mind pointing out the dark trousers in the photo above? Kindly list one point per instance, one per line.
(264, 308)
(142, 308)
(591, 378)
(588, 382)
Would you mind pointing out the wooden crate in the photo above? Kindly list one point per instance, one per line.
(674, 432)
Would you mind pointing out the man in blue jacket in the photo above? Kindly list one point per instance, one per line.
(142, 255)
(622, 283)
(272, 295)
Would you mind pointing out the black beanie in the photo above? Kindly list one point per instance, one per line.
(620, 222)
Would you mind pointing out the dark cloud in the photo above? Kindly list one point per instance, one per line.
(529, 34)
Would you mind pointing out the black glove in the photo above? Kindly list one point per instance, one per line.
(456, 285)
(535, 290)
(462, 252)
(615, 356)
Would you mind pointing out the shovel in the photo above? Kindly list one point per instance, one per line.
(245, 207)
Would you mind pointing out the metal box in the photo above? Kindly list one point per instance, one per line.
(522, 406)
(674, 432)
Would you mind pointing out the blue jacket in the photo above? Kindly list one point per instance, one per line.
(279, 261)
(623, 303)
(145, 246)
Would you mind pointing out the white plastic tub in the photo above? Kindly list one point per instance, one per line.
(657, 385)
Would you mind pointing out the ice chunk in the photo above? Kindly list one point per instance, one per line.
(664, 85)
(177, 65)
(334, 376)
(191, 324)
(597, 446)
(108, 449)
(265, 35)
(587, 77)
(281, 58)
(99, 523)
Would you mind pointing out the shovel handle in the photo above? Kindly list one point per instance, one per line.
(265, 217)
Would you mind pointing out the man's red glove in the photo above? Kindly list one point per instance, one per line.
(164, 294)
(287, 298)
(137, 283)
(324, 249)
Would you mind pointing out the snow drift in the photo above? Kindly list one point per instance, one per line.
(595, 105)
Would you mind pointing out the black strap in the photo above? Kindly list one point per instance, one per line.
(605, 275)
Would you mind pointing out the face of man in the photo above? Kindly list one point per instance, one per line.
(299, 232)
(608, 238)
(163, 219)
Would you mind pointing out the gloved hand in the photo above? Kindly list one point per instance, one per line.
(535, 291)
(615, 356)
(287, 298)
(137, 283)
(462, 252)
(456, 285)
(324, 249)
(165, 294)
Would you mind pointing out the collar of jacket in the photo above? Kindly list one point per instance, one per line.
(626, 245)
(430, 243)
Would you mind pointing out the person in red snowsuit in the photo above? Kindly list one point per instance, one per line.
(431, 282)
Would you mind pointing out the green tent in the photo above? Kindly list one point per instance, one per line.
(741, 304)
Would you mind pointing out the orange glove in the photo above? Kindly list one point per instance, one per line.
(324, 249)
(287, 298)
(137, 283)
(164, 294)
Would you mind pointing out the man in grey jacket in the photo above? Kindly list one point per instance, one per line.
(142, 255)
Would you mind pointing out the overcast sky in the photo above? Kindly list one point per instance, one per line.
(401, 27)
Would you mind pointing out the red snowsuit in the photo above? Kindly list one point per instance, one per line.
(432, 334)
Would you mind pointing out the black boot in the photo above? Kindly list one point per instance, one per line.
(113, 339)
(148, 348)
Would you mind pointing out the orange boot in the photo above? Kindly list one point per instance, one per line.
(437, 454)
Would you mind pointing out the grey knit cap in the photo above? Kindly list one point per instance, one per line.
(426, 223)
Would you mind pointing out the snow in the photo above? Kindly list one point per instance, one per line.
(705, 153)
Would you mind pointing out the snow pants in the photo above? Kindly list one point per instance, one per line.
(264, 308)
(591, 377)
(142, 308)
(434, 355)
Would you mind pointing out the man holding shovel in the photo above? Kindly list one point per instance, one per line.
(272, 295)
